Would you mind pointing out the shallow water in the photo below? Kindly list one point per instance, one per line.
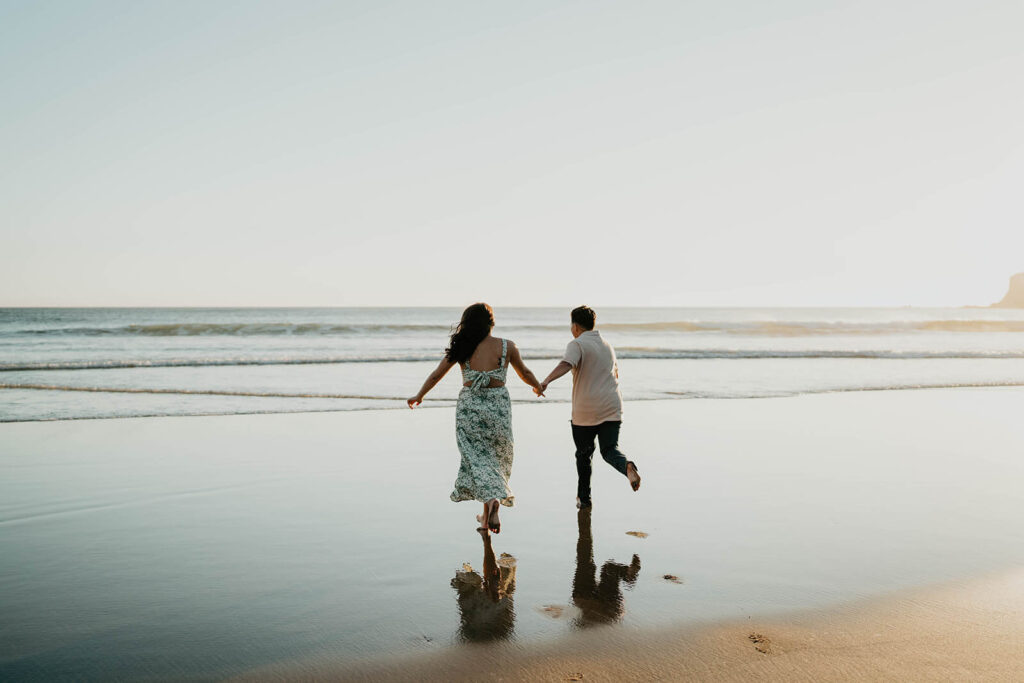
(205, 547)
(99, 363)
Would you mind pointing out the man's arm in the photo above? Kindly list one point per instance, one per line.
(560, 369)
(573, 357)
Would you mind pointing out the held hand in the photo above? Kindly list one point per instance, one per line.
(414, 401)
(539, 390)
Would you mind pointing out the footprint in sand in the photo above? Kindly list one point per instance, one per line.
(762, 644)
(638, 534)
(553, 611)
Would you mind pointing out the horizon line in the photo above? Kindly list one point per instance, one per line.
(513, 306)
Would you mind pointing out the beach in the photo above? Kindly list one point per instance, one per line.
(960, 631)
(266, 267)
(324, 544)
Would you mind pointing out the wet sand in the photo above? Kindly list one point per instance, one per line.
(288, 545)
(963, 631)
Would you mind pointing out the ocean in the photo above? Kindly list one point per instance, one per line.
(74, 363)
(212, 547)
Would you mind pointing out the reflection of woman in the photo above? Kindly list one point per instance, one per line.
(599, 601)
(483, 416)
(485, 603)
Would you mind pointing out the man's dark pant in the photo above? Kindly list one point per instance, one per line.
(607, 434)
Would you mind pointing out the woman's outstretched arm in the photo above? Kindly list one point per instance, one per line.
(432, 379)
(525, 374)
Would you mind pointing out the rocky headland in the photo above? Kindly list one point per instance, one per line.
(1014, 295)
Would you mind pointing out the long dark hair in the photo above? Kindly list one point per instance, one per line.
(476, 324)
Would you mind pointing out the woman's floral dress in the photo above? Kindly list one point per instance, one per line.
(483, 430)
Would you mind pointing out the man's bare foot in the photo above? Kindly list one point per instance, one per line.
(633, 475)
(493, 523)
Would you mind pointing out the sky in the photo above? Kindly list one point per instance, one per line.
(726, 153)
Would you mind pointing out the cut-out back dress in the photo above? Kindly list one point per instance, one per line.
(483, 431)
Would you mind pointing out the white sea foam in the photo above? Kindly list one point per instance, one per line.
(781, 328)
(66, 363)
(622, 352)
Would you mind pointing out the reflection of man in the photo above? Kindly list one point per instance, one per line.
(599, 601)
(596, 402)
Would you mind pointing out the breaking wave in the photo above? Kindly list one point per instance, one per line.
(753, 328)
(626, 352)
(816, 328)
(198, 392)
(700, 354)
(233, 330)
(204, 362)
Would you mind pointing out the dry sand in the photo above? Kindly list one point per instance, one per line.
(959, 632)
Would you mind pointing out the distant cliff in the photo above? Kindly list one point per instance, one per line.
(1015, 295)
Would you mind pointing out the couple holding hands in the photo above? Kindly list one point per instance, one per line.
(483, 414)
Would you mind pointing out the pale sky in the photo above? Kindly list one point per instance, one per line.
(520, 153)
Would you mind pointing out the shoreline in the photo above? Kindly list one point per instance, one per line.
(441, 403)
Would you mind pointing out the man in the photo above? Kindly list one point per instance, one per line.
(596, 402)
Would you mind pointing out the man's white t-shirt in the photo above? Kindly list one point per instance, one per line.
(595, 383)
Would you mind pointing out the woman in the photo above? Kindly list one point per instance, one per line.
(483, 415)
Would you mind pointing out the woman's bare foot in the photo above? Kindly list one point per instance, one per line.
(482, 520)
(493, 523)
(633, 475)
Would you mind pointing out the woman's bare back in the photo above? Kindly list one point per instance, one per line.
(486, 356)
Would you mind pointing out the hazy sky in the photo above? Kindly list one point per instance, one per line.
(536, 153)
